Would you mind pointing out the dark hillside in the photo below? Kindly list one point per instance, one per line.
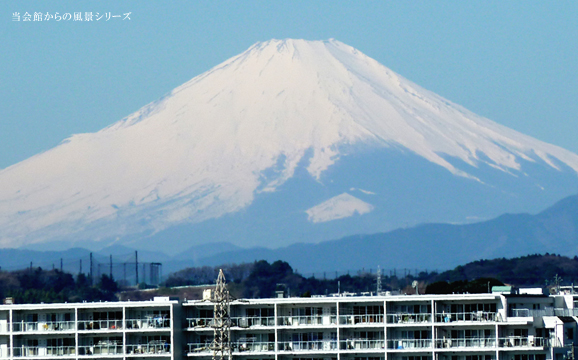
(531, 270)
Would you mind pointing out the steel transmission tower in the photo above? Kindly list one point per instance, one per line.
(221, 345)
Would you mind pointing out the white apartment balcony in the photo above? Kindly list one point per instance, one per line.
(405, 318)
(150, 323)
(153, 347)
(542, 312)
(43, 326)
(481, 316)
(89, 325)
(486, 356)
(237, 347)
(361, 344)
(251, 321)
(451, 343)
(252, 347)
(199, 322)
(25, 326)
(44, 351)
(522, 313)
(308, 346)
(101, 348)
(199, 348)
(260, 321)
(317, 320)
(361, 319)
(25, 351)
(405, 344)
(516, 342)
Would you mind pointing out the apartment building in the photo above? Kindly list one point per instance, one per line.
(497, 326)
(114, 330)
(407, 327)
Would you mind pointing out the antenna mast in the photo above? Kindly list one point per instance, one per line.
(221, 345)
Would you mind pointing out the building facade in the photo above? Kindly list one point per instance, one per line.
(117, 330)
(407, 327)
(404, 327)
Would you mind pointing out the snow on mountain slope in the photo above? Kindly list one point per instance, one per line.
(239, 130)
(338, 207)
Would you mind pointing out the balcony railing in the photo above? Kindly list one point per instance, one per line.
(319, 345)
(466, 316)
(60, 350)
(25, 326)
(523, 341)
(160, 348)
(400, 344)
(148, 323)
(361, 344)
(200, 322)
(247, 322)
(240, 321)
(403, 318)
(57, 326)
(465, 342)
(253, 346)
(99, 324)
(361, 319)
(107, 349)
(543, 312)
(36, 351)
(197, 348)
(307, 320)
(522, 313)
(22, 351)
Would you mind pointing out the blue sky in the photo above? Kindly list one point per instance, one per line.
(515, 62)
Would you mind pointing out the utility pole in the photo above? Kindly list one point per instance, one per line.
(136, 266)
(221, 345)
(378, 280)
(557, 281)
(91, 279)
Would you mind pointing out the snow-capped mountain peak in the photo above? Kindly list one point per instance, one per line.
(241, 130)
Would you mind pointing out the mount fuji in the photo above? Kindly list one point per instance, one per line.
(290, 141)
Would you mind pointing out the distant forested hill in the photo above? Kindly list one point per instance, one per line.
(261, 279)
(531, 270)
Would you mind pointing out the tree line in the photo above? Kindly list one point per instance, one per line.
(35, 285)
(261, 279)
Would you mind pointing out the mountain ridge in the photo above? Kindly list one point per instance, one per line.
(428, 244)
(424, 246)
